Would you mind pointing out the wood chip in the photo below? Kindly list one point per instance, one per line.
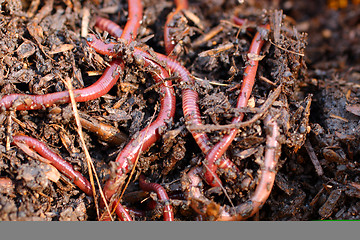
(62, 48)
(338, 117)
(85, 22)
(217, 50)
(354, 109)
(26, 49)
(255, 57)
(195, 19)
(207, 36)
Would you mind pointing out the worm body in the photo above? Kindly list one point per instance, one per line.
(246, 88)
(109, 26)
(134, 20)
(122, 213)
(267, 178)
(64, 167)
(150, 134)
(203, 206)
(33, 102)
(168, 39)
(162, 195)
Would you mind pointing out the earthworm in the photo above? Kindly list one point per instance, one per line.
(190, 97)
(162, 195)
(109, 26)
(168, 39)
(150, 134)
(246, 88)
(204, 206)
(66, 168)
(239, 21)
(121, 211)
(134, 20)
(34, 102)
(116, 31)
(266, 182)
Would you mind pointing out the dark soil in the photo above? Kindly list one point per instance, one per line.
(314, 56)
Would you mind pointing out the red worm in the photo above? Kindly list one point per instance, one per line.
(168, 39)
(109, 26)
(245, 210)
(134, 20)
(246, 88)
(239, 21)
(189, 96)
(64, 167)
(266, 182)
(150, 134)
(162, 195)
(121, 211)
(33, 102)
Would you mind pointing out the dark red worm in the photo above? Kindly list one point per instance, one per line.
(168, 38)
(96, 90)
(64, 167)
(246, 88)
(112, 28)
(266, 181)
(162, 195)
(239, 21)
(134, 20)
(189, 96)
(122, 212)
(150, 134)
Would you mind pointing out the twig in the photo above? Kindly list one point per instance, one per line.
(212, 127)
(91, 166)
(217, 50)
(286, 50)
(267, 80)
(9, 131)
(313, 157)
(221, 186)
(207, 36)
(211, 82)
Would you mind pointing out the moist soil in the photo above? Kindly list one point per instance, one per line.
(312, 52)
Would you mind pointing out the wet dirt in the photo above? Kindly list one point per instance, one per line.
(312, 52)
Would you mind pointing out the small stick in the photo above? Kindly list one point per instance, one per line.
(91, 166)
(313, 157)
(212, 127)
(206, 37)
